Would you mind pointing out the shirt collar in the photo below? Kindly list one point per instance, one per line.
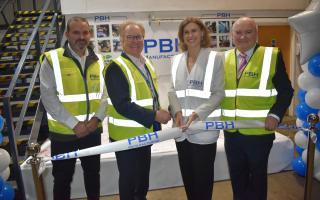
(248, 53)
(74, 54)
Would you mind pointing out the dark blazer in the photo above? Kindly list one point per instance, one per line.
(283, 86)
(118, 90)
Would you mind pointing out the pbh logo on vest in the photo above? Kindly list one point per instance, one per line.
(94, 77)
(251, 74)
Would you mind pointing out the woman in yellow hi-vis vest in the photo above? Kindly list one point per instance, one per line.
(133, 109)
(257, 88)
(72, 91)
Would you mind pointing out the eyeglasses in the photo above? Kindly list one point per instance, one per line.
(134, 37)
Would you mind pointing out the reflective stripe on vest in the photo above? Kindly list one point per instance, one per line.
(245, 113)
(142, 103)
(59, 84)
(79, 117)
(262, 91)
(188, 112)
(205, 93)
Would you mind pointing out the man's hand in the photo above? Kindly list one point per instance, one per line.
(81, 129)
(271, 123)
(92, 124)
(162, 116)
(191, 118)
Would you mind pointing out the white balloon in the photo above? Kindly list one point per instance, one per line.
(316, 162)
(316, 159)
(299, 122)
(5, 159)
(313, 98)
(301, 139)
(5, 174)
(304, 67)
(304, 155)
(307, 81)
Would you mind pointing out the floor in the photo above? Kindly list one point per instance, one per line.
(281, 186)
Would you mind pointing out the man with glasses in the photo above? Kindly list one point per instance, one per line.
(133, 109)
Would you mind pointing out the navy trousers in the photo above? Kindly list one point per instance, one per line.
(247, 158)
(63, 170)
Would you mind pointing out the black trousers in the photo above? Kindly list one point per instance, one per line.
(197, 168)
(134, 170)
(63, 170)
(247, 158)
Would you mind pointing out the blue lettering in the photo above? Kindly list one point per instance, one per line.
(209, 124)
(165, 45)
(153, 134)
(177, 44)
(149, 44)
(101, 18)
(229, 123)
(219, 125)
(131, 139)
(142, 138)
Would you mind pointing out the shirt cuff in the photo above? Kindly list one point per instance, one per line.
(274, 116)
(71, 122)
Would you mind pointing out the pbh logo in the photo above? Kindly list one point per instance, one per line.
(165, 45)
(219, 125)
(149, 137)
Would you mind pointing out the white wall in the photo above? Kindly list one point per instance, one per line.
(112, 6)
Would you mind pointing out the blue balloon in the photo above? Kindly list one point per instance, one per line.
(1, 123)
(302, 95)
(1, 138)
(302, 111)
(8, 192)
(299, 150)
(1, 183)
(314, 65)
(298, 166)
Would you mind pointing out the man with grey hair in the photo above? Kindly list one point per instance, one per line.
(133, 109)
(257, 87)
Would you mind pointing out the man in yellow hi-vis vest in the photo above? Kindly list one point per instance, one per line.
(133, 109)
(257, 87)
(74, 96)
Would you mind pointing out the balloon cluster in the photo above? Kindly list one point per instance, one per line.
(309, 97)
(6, 190)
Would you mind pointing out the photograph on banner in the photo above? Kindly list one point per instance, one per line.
(224, 41)
(213, 41)
(211, 25)
(224, 26)
(116, 45)
(102, 30)
(115, 30)
(91, 31)
(104, 46)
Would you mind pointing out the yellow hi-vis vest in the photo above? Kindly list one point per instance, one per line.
(254, 94)
(80, 97)
(120, 127)
(200, 96)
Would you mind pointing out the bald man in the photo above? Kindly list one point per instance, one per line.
(257, 88)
